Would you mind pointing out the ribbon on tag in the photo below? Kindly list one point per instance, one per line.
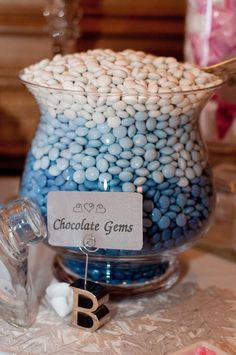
(225, 115)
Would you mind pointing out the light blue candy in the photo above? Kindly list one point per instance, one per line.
(94, 133)
(162, 125)
(125, 176)
(78, 157)
(105, 177)
(60, 145)
(54, 170)
(139, 140)
(152, 138)
(141, 116)
(59, 132)
(55, 122)
(92, 173)
(69, 186)
(53, 139)
(71, 135)
(154, 165)
(139, 181)
(65, 140)
(95, 143)
(120, 132)
(151, 124)
(110, 158)
(126, 143)
(62, 163)
(165, 159)
(88, 161)
(59, 180)
(108, 139)
(114, 170)
(126, 154)
(81, 140)
(81, 131)
(171, 141)
(66, 154)
(168, 171)
(141, 127)
(184, 138)
(138, 151)
(72, 125)
(161, 143)
(132, 131)
(150, 155)
(80, 121)
(115, 149)
(167, 151)
(157, 177)
(102, 165)
(91, 151)
(174, 121)
(128, 121)
(68, 173)
(136, 162)
(103, 128)
(45, 162)
(160, 133)
(103, 148)
(79, 176)
(128, 187)
(75, 148)
(142, 172)
(170, 131)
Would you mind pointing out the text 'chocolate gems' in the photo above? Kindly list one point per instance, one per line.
(89, 311)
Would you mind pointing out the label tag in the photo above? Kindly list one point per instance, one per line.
(113, 219)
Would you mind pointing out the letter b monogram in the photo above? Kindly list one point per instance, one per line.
(89, 311)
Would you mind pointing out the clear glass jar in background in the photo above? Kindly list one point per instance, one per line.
(210, 38)
(63, 17)
(222, 233)
(21, 225)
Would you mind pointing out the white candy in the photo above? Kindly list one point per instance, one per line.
(60, 297)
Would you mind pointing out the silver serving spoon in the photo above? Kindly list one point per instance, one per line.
(226, 67)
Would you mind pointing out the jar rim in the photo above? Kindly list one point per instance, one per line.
(208, 88)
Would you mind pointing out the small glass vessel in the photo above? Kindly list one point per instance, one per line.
(21, 224)
(163, 158)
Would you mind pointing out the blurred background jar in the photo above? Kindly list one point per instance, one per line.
(210, 38)
(222, 233)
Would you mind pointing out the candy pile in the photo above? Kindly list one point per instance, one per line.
(124, 122)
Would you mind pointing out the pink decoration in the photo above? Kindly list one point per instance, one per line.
(215, 37)
(204, 351)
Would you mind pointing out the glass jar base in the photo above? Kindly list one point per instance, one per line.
(123, 277)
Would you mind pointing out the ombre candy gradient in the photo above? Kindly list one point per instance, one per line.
(131, 128)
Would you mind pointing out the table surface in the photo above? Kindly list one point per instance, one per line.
(202, 306)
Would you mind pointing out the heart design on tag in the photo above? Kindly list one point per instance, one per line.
(100, 208)
(78, 208)
(89, 206)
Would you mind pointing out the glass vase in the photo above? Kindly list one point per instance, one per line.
(154, 148)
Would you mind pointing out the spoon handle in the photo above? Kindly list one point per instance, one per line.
(226, 67)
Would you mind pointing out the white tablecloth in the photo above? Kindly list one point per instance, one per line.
(202, 306)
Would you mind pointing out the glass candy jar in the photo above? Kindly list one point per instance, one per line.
(126, 142)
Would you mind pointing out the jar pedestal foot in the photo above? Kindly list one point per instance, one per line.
(122, 276)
